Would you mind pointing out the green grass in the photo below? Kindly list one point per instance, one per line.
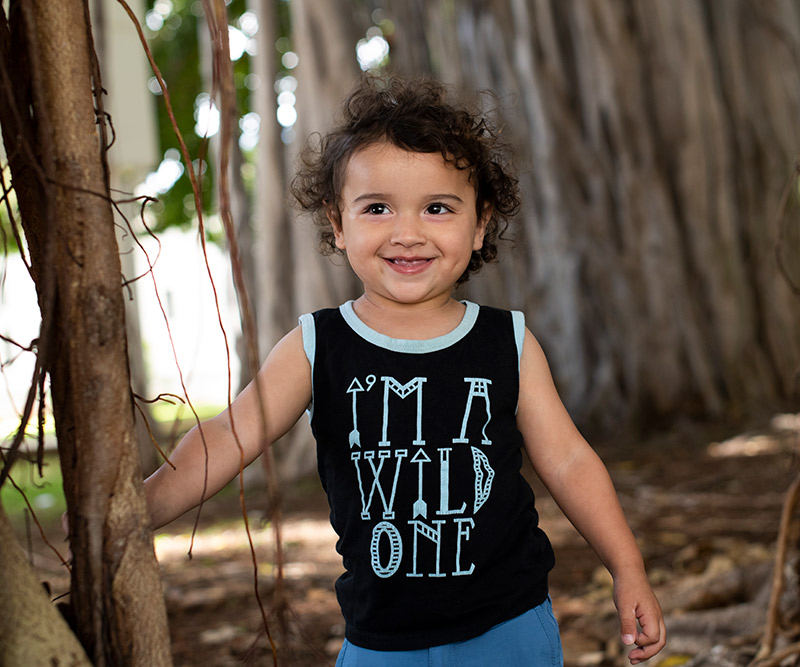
(168, 413)
(45, 494)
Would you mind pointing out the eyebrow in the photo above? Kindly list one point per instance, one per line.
(381, 195)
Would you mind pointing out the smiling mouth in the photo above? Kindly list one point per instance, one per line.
(409, 264)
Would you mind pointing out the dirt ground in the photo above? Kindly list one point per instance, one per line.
(704, 503)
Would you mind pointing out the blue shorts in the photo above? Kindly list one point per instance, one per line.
(529, 639)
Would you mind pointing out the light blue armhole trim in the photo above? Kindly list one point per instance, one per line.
(519, 333)
(518, 318)
(310, 348)
(411, 346)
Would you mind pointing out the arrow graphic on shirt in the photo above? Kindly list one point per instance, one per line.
(420, 506)
(355, 436)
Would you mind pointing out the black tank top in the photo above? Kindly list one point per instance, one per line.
(420, 456)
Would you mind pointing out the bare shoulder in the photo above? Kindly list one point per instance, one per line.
(290, 350)
(535, 381)
(533, 363)
(281, 392)
(287, 367)
(546, 426)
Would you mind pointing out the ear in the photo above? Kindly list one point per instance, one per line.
(336, 224)
(480, 228)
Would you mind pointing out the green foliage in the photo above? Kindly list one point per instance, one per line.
(176, 51)
(7, 241)
(176, 47)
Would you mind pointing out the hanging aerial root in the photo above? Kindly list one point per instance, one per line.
(216, 14)
(767, 645)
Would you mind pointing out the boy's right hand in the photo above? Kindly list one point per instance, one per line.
(640, 617)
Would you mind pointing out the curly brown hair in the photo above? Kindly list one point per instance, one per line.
(415, 115)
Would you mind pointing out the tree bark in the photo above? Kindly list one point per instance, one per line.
(272, 238)
(33, 631)
(124, 66)
(324, 36)
(66, 213)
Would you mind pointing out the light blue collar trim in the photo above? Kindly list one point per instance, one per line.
(411, 346)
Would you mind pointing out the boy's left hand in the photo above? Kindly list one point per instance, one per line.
(640, 618)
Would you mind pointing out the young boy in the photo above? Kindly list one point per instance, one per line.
(421, 406)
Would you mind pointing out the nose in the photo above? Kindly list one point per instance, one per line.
(408, 231)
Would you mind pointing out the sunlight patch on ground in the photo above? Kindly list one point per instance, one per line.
(309, 531)
(210, 542)
(301, 570)
(207, 542)
(784, 434)
(746, 445)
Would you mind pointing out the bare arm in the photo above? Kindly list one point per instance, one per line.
(580, 484)
(284, 386)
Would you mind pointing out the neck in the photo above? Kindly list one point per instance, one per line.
(413, 322)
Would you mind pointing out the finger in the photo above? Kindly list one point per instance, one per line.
(647, 645)
(652, 628)
(627, 626)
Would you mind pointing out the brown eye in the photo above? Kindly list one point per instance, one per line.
(437, 209)
(376, 209)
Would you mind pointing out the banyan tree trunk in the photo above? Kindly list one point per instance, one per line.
(656, 138)
(50, 132)
(324, 36)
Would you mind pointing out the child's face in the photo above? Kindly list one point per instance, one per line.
(408, 224)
